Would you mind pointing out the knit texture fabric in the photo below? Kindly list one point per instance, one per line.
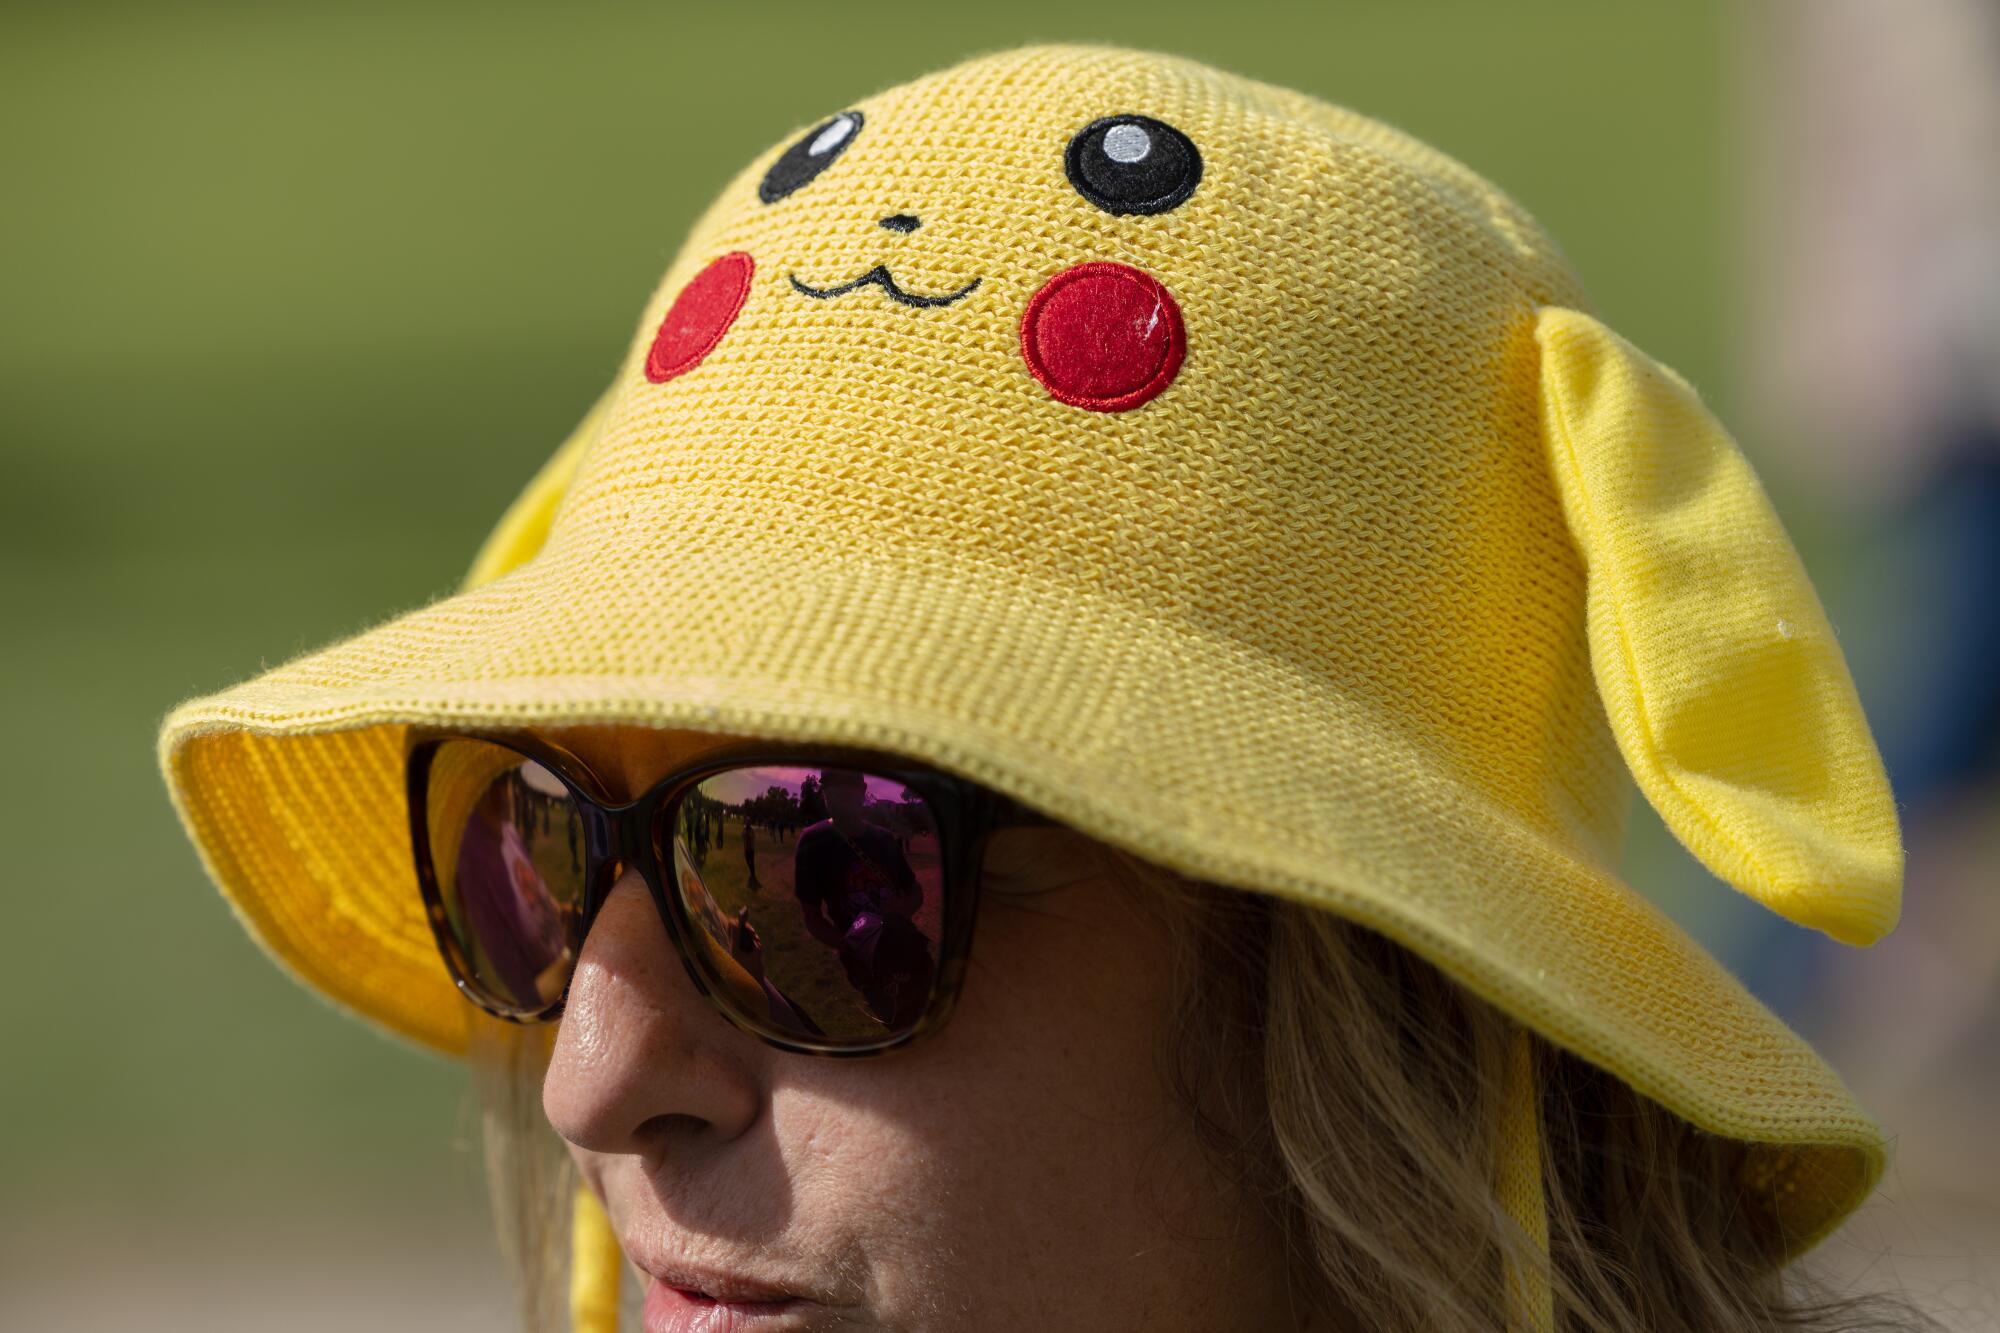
(1370, 605)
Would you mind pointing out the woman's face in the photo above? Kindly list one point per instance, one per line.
(1024, 1167)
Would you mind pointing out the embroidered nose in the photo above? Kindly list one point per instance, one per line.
(901, 222)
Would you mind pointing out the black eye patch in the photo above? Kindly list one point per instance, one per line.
(809, 156)
(1132, 164)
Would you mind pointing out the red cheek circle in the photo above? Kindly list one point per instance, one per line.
(699, 316)
(1103, 336)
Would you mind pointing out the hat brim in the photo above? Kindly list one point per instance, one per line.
(1138, 725)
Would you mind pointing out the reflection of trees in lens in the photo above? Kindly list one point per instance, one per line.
(812, 805)
(776, 810)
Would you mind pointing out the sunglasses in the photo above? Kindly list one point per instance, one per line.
(821, 897)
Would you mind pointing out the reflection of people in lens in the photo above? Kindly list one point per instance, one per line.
(858, 894)
(698, 828)
(750, 856)
(517, 929)
(735, 953)
(746, 950)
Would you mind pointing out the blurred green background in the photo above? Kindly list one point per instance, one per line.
(293, 299)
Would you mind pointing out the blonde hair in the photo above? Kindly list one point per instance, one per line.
(1357, 1093)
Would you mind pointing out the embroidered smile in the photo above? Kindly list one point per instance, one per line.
(879, 277)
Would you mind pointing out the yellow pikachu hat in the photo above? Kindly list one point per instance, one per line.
(1223, 471)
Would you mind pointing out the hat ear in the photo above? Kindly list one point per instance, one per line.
(525, 526)
(1726, 690)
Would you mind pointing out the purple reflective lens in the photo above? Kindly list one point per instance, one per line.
(814, 898)
(507, 849)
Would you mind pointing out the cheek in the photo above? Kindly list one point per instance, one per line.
(1103, 336)
(1025, 1156)
(700, 314)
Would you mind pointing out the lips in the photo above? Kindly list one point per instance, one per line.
(672, 1308)
(685, 1298)
(715, 1285)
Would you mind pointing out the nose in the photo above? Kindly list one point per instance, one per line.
(642, 1061)
(905, 222)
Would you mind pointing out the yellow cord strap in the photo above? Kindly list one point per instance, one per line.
(596, 1264)
(1531, 1303)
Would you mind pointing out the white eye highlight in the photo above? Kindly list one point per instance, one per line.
(831, 137)
(811, 153)
(1132, 164)
(1127, 143)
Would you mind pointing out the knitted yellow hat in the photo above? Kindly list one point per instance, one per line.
(1222, 471)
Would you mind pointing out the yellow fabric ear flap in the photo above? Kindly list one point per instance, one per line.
(525, 526)
(1726, 690)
